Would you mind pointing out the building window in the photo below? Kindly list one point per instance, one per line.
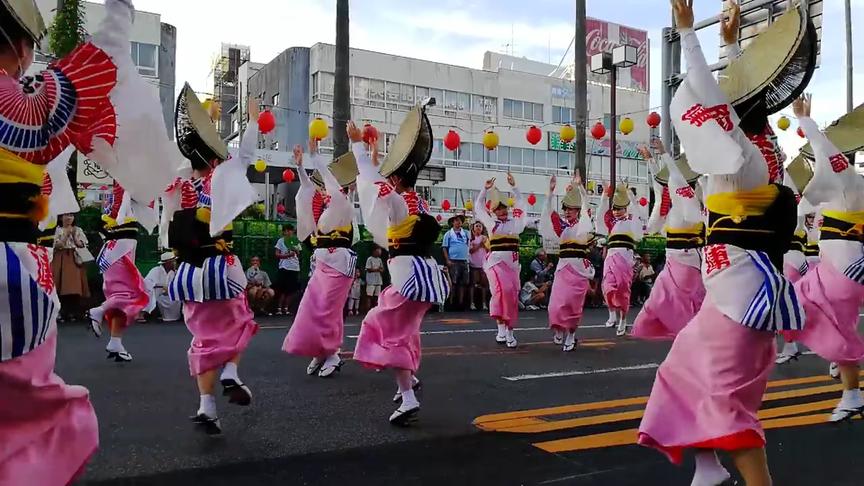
(146, 58)
(274, 146)
(523, 110)
(561, 114)
(276, 99)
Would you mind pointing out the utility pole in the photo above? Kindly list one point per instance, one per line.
(849, 71)
(342, 88)
(580, 85)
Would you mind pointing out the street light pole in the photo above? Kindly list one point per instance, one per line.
(849, 72)
(613, 129)
(580, 88)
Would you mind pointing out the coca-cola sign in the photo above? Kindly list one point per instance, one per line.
(604, 36)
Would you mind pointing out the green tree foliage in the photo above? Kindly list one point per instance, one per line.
(67, 31)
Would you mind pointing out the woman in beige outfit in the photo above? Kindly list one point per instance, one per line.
(70, 276)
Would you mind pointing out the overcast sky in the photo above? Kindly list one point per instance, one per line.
(459, 31)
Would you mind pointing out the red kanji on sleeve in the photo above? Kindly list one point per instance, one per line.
(716, 258)
(839, 163)
(685, 192)
(383, 188)
(188, 195)
(665, 202)
(47, 185)
(609, 220)
(318, 204)
(44, 277)
(517, 213)
(557, 225)
(697, 115)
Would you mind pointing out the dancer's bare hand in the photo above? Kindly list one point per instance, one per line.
(552, 182)
(683, 11)
(802, 105)
(354, 133)
(490, 183)
(298, 155)
(730, 23)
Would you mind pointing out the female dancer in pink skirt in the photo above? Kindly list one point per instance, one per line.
(678, 292)
(574, 233)
(327, 214)
(709, 388)
(398, 218)
(623, 232)
(48, 428)
(210, 280)
(833, 291)
(795, 264)
(126, 294)
(502, 264)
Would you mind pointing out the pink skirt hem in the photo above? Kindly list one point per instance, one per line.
(221, 330)
(318, 328)
(710, 387)
(567, 302)
(675, 298)
(390, 333)
(125, 292)
(504, 288)
(617, 282)
(49, 440)
(831, 302)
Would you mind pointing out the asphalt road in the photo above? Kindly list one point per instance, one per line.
(490, 415)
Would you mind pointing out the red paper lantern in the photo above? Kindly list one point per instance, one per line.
(280, 208)
(369, 133)
(438, 218)
(598, 131)
(288, 176)
(532, 199)
(801, 133)
(534, 135)
(266, 122)
(452, 141)
(643, 202)
(445, 205)
(653, 119)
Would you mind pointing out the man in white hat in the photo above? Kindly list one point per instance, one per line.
(158, 279)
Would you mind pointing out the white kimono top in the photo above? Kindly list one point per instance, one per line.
(417, 278)
(742, 284)
(581, 231)
(511, 227)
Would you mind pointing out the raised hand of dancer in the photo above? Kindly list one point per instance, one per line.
(552, 182)
(802, 105)
(510, 179)
(313, 146)
(490, 183)
(683, 11)
(644, 152)
(659, 148)
(577, 179)
(298, 155)
(354, 133)
(373, 143)
(730, 23)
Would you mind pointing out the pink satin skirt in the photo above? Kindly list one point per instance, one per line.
(318, 328)
(390, 333)
(221, 330)
(675, 298)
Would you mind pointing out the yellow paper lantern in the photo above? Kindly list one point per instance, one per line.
(469, 205)
(318, 129)
(567, 134)
(783, 123)
(490, 140)
(260, 165)
(626, 126)
(261, 208)
(81, 194)
(590, 186)
(511, 202)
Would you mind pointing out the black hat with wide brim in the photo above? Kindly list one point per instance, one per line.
(26, 14)
(412, 147)
(344, 169)
(690, 176)
(846, 133)
(776, 66)
(197, 137)
(456, 216)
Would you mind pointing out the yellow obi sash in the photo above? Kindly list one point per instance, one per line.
(504, 243)
(339, 238)
(22, 204)
(413, 236)
(685, 238)
(573, 249)
(842, 225)
(622, 240)
(799, 242)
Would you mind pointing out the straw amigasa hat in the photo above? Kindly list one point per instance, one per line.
(690, 176)
(412, 147)
(343, 168)
(26, 15)
(800, 172)
(573, 199)
(197, 137)
(846, 133)
(775, 68)
(495, 198)
(621, 199)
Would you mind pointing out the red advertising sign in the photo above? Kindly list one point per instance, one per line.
(604, 36)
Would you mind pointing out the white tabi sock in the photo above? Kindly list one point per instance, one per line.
(570, 339)
(230, 372)
(709, 471)
(207, 406)
(613, 315)
(115, 345)
(409, 400)
(414, 381)
(502, 330)
(852, 399)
